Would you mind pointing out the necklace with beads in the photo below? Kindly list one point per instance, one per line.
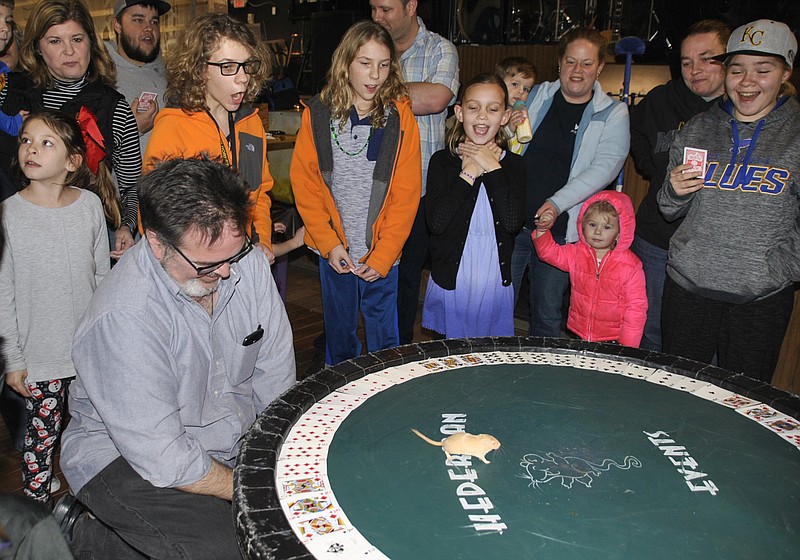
(351, 154)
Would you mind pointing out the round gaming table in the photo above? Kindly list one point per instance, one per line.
(607, 452)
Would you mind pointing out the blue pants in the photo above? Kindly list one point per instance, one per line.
(280, 273)
(547, 286)
(654, 261)
(12, 409)
(343, 296)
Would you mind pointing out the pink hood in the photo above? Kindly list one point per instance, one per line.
(609, 299)
(624, 207)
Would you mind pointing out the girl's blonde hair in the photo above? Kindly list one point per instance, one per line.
(457, 135)
(67, 129)
(599, 208)
(787, 87)
(338, 93)
(46, 14)
(187, 71)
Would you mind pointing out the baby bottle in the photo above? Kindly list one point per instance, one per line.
(524, 134)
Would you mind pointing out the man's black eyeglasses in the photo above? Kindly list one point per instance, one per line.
(209, 268)
(232, 68)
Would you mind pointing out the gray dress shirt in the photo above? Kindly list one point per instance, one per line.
(164, 384)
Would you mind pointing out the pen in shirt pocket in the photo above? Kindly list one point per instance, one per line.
(253, 337)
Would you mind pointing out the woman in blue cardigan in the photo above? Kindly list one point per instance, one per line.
(580, 141)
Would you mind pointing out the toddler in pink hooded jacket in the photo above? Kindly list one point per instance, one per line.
(608, 299)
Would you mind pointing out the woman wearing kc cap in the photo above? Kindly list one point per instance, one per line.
(734, 259)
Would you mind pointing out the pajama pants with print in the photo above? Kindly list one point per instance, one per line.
(45, 414)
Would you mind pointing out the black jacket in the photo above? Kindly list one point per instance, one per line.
(654, 123)
(100, 99)
(449, 203)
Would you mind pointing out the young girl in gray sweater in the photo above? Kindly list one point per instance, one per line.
(55, 253)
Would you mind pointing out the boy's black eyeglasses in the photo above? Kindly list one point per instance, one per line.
(232, 68)
(209, 268)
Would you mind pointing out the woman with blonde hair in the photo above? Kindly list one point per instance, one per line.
(214, 70)
(357, 177)
(67, 68)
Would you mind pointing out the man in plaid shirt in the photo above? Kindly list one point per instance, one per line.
(430, 67)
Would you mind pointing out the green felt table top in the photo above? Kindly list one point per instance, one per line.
(592, 465)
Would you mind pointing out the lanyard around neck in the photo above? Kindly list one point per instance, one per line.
(224, 143)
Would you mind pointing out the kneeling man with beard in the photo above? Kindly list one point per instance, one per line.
(184, 343)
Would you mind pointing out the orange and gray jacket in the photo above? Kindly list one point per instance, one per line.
(396, 185)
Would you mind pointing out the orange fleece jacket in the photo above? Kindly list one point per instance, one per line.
(315, 202)
(180, 134)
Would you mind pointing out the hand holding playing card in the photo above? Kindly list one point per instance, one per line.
(689, 177)
(696, 157)
(145, 109)
(683, 181)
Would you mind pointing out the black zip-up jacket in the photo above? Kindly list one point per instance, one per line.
(654, 123)
(449, 204)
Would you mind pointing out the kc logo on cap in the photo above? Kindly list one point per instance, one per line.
(762, 37)
(752, 35)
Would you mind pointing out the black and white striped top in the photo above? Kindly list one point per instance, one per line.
(126, 158)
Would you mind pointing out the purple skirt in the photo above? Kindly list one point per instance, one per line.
(480, 305)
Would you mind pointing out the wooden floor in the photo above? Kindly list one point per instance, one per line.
(304, 307)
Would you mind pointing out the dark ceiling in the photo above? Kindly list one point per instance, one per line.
(660, 23)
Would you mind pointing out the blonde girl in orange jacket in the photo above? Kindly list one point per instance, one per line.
(356, 176)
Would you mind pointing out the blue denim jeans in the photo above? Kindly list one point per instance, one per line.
(343, 296)
(654, 261)
(547, 286)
